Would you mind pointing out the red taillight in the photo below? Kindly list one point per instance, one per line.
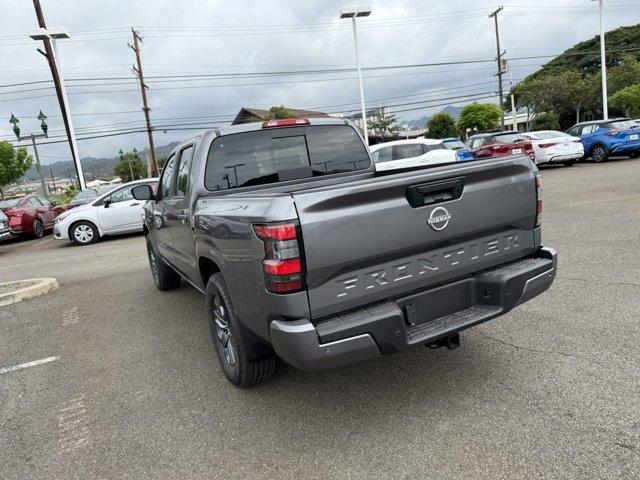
(612, 133)
(287, 122)
(546, 145)
(281, 265)
(539, 206)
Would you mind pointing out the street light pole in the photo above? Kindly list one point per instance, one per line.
(603, 63)
(353, 12)
(72, 133)
(16, 129)
(49, 38)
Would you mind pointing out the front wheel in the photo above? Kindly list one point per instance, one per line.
(244, 360)
(84, 233)
(634, 155)
(163, 275)
(599, 154)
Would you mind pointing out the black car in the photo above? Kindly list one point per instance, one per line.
(88, 195)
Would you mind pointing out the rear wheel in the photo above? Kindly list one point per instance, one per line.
(38, 228)
(163, 275)
(599, 154)
(634, 155)
(244, 360)
(83, 233)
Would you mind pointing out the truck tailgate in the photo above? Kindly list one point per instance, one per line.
(373, 239)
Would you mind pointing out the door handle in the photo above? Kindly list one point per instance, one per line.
(134, 204)
(435, 192)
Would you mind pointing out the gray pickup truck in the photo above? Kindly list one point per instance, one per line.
(304, 252)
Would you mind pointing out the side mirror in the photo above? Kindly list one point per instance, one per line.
(143, 192)
(106, 202)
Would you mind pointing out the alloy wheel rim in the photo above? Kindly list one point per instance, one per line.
(598, 153)
(38, 229)
(83, 233)
(222, 331)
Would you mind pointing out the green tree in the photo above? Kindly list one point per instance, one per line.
(624, 74)
(123, 171)
(479, 117)
(14, 163)
(546, 121)
(161, 161)
(384, 124)
(628, 100)
(441, 125)
(279, 112)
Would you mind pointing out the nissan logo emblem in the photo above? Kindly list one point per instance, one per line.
(439, 218)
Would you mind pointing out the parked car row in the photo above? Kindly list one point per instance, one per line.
(98, 212)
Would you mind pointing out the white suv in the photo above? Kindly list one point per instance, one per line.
(411, 153)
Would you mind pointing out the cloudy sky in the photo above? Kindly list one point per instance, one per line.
(205, 59)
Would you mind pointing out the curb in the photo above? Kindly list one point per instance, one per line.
(27, 289)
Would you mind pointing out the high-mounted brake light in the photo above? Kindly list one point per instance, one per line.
(282, 265)
(287, 122)
(539, 206)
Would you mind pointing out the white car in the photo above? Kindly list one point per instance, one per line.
(112, 213)
(411, 153)
(551, 146)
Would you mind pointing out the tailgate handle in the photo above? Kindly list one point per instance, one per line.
(435, 192)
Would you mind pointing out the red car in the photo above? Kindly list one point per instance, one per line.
(30, 215)
(500, 144)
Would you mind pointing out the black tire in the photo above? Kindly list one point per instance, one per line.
(84, 233)
(634, 155)
(569, 163)
(163, 275)
(244, 360)
(38, 228)
(599, 154)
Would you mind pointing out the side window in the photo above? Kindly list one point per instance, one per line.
(45, 201)
(589, 129)
(430, 148)
(382, 155)
(184, 168)
(33, 201)
(121, 195)
(574, 131)
(408, 151)
(164, 189)
(477, 142)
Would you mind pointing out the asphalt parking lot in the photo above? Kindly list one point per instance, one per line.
(551, 390)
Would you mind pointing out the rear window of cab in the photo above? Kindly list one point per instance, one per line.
(274, 155)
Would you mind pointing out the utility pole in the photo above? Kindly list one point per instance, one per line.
(53, 180)
(499, 59)
(49, 54)
(514, 118)
(145, 106)
(603, 64)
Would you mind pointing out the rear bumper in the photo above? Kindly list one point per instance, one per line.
(421, 318)
(563, 158)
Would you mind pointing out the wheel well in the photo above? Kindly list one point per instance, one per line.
(72, 226)
(207, 268)
(598, 144)
(145, 230)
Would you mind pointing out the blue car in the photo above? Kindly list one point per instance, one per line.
(463, 152)
(601, 138)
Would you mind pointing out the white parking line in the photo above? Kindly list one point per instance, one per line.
(44, 241)
(28, 364)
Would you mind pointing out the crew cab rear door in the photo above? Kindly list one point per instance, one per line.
(383, 237)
